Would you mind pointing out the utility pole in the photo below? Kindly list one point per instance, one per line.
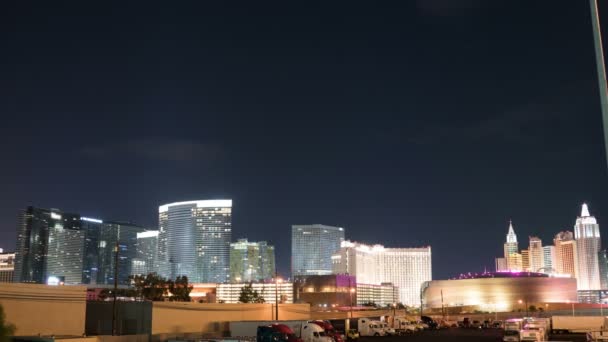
(276, 292)
(116, 248)
(601, 68)
(442, 307)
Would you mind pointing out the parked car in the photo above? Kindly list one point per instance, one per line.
(475, 325)
(497, 324)
(429, 322)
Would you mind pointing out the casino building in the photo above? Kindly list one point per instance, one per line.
(499, 291)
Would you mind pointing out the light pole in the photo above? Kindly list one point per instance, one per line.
(277, 280)
(572, 308)
(114, 332)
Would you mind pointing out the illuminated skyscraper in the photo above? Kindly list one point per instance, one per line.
(511, 247)
(603, 266)
(146, 259)
(525, 260)
(66, 250)
(549, 258)
(71, 248)
(312, 247)
(407, 268)
(588, 244)
(566, 258)
(194, 240)
(251, 261)
(33, 232)
(536, 254)
(515, 261)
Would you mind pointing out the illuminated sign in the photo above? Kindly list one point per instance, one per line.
(55, 216)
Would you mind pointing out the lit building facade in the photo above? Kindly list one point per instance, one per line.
(525, 260)
(511, 247)
(501, 265)
(381, 295)
(566, 256)
(588, 245)
(194, 240)
(66, 250)
(32, 243)
(251, 261)
(406, 268)
(230, 293)
(7, 267)
(549, 259)
(515, 262)
(101, 241)
(146, 258)
(603, 266)
(321, 291)
(72, 249)
(536, 254)
(312, 247)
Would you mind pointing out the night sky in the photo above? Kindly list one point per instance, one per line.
(433, 123)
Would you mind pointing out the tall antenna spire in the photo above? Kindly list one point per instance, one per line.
(585, 211)
(511, 237)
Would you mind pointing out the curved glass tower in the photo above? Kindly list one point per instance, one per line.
(194, 240)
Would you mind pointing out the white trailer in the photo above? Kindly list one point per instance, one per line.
(512, 330)
(367, 327)
(577, 324)
(535, 329)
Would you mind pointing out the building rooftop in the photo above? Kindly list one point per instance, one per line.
(500, 275)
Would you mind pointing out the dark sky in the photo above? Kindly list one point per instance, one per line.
(432, 123)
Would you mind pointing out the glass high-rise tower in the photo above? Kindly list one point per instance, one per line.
(146, 259)
(35, 227)
(312, 247)
(72, 248)
(588, 244)
(194, 240)
(251, 261)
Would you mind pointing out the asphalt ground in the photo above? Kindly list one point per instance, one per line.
(461, 335)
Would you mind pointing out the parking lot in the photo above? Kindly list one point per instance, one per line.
(460, 335)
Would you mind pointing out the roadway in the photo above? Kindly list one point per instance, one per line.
(461, 335)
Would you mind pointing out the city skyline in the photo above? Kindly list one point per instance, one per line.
(412, 123)
(511, 238)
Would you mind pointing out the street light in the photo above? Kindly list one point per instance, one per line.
(277, 280)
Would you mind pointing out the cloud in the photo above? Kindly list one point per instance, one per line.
(155, 149)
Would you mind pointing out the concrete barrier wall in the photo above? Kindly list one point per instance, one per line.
(45, 310)
(199, 318)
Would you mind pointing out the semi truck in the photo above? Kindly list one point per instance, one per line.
(275, 333)
(303, 330)
(329, 330)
